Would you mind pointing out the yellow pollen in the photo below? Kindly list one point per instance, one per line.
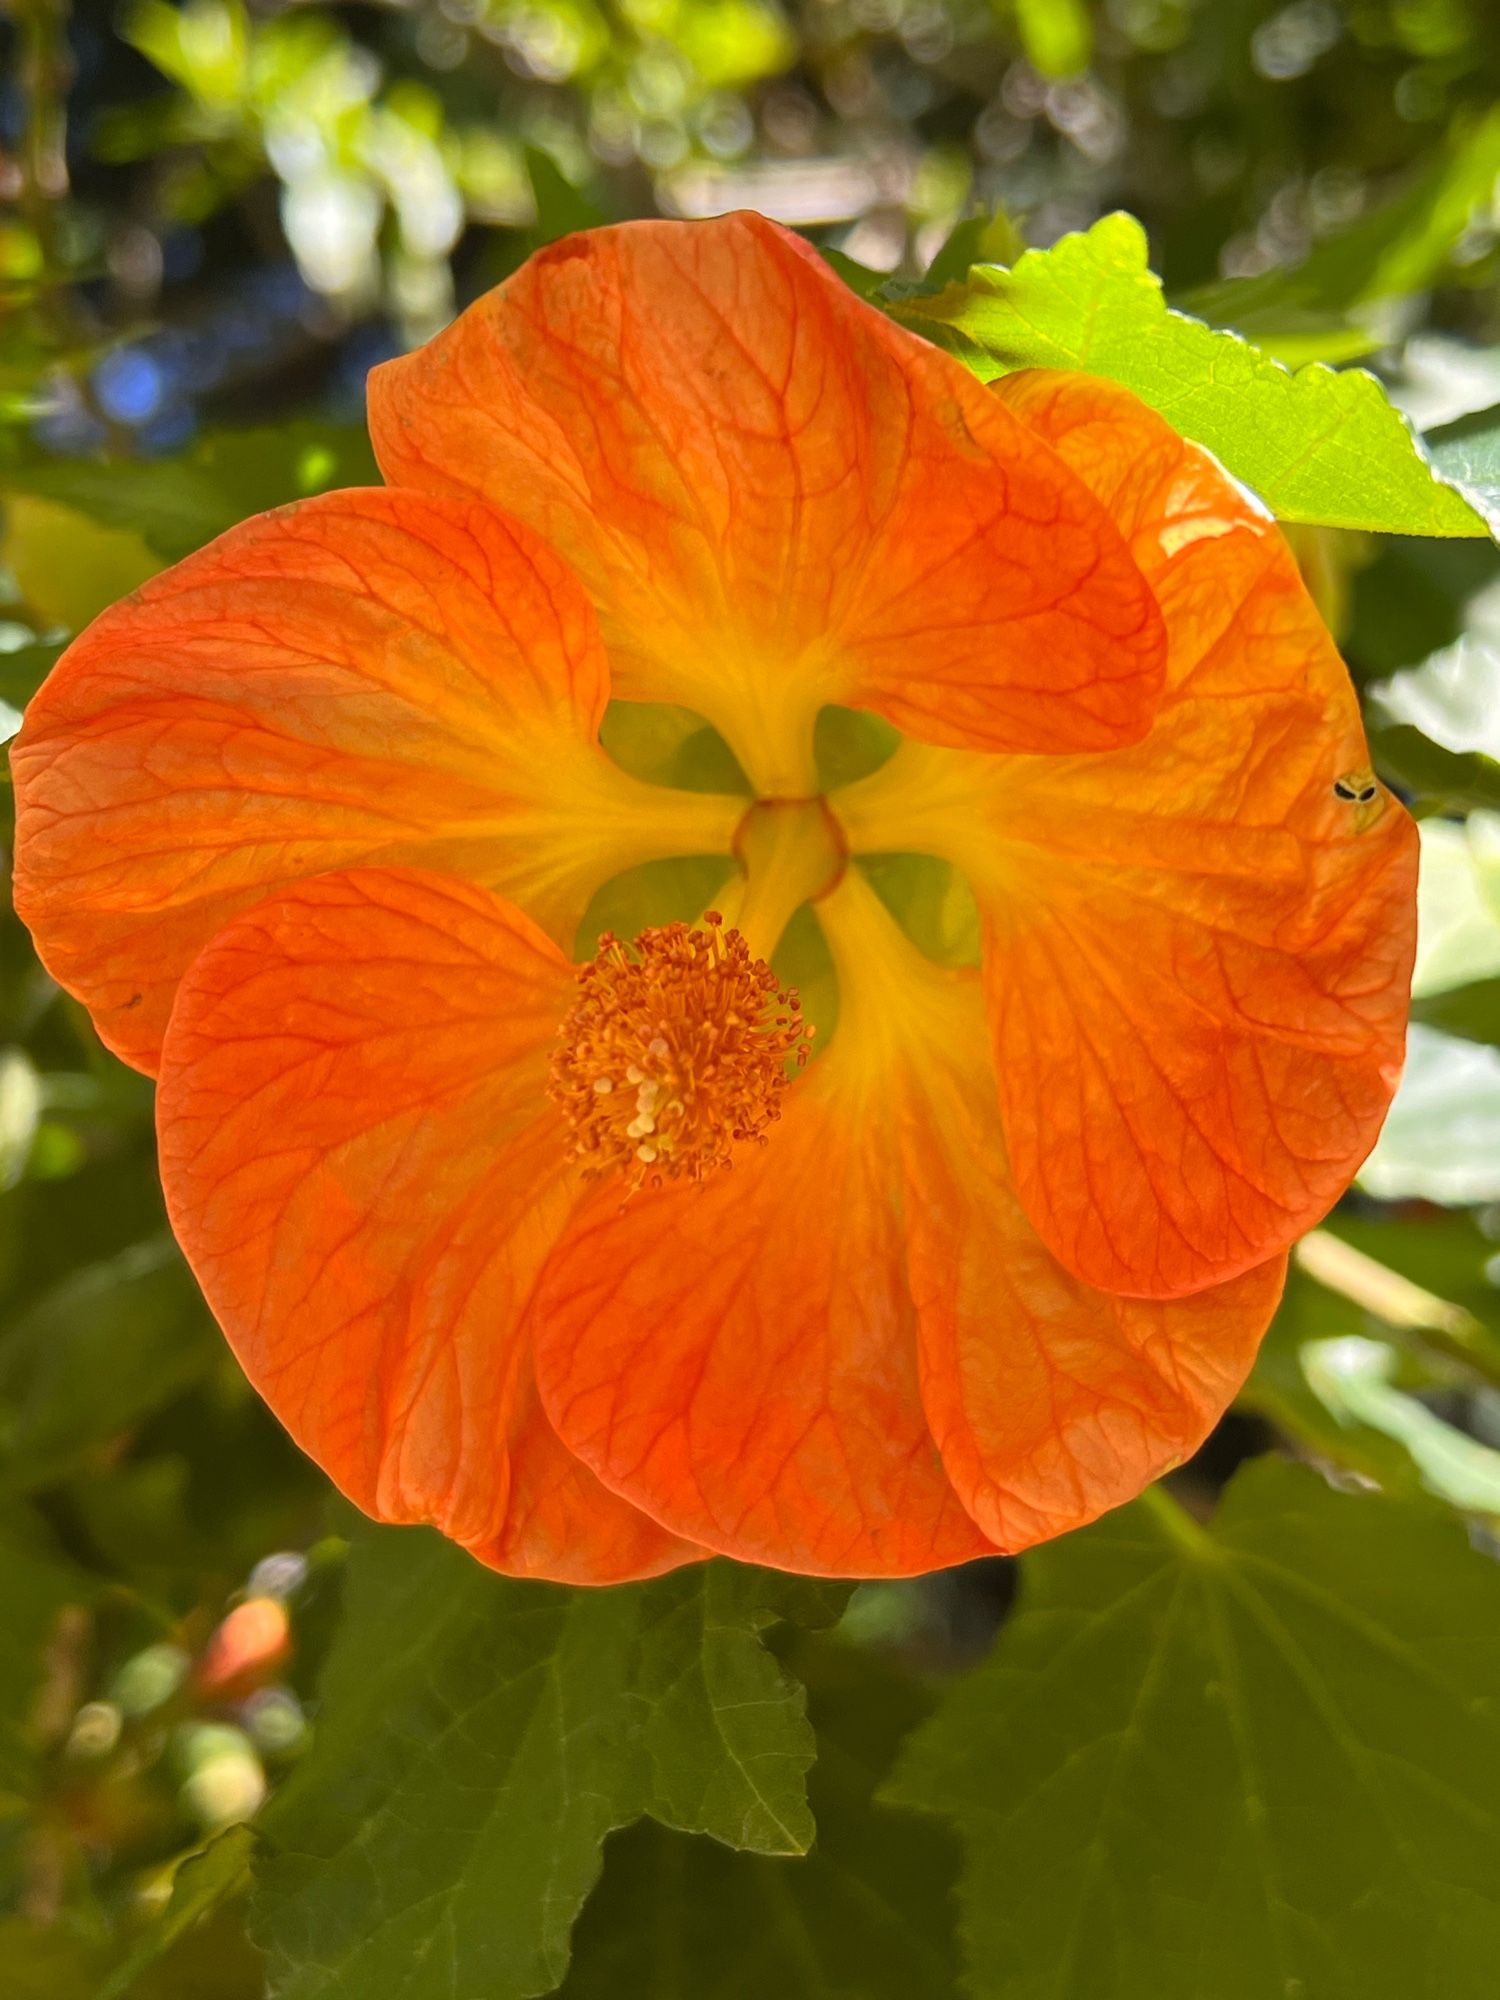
(675, 1051)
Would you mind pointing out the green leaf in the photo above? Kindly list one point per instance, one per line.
(202, 1882)
(1453, 699)
(1316, 445)
(1355, 1379)
(46, 1962)
(561, 208)
(1258, 1760)
(979, 239)
(1456, 980)
(38, 1586)
(478, 1738)
(931, 900)
(1458, 920)
(1450, 1259)
(1431, 1273)
(668, 745)
(1467, 453)
(1471, 1012)
(865, 1914)
(1437, 779)
(1057, 35)
(1279, 1390)
(178, 504)
(1441, 1139)
(1395, 249)
(22, 672)
(95, 1354)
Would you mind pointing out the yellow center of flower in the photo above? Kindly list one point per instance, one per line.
(674, 1052)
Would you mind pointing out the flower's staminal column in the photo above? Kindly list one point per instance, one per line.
(679, 1047)
(676, 1050)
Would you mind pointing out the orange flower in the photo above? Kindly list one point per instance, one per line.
(596, 1271)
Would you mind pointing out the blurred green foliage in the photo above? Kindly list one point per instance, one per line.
(216, 218)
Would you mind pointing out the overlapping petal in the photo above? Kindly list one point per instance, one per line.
(740, 1360)
(778, 499)
(1198, 948)
(810, 1362)
(1049, 1400)
(367, 677)
(365, 1172)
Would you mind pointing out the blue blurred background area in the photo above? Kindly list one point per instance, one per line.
(215, 211)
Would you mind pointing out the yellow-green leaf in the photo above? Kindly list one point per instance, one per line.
(1317, 445)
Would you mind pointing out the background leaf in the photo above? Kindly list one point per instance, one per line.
(1441, 1139)
(481, 1738)
(1467, 451)
(1258, 1759)
(1398, 248)
(866, 1916)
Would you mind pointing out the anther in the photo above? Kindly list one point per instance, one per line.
(703, 1034)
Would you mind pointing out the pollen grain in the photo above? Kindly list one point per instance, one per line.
(675, 1051)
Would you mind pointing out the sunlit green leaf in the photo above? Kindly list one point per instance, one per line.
(21, 1101)
(1261, 1759)
(1315, 445)
(1057, 35)
(478, 1739)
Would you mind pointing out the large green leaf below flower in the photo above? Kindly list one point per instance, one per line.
(865, 1916)
(1249, 1762)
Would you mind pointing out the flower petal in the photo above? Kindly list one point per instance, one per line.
(364, 677)
(365, 1173)
(1051, 1402)
(778, 499)
(739, 1359)
(1197, 949)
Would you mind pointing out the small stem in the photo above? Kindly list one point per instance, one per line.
(1175, 1521)
(791, 853)
(1438, 1323)
(44, 72)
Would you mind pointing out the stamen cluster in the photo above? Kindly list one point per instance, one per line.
(675, 1051)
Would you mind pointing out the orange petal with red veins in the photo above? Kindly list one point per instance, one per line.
(739, 1359)
(364, 1170)
(778, 499)
(1198, 949)
(365, 677)
(1050, 1402)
